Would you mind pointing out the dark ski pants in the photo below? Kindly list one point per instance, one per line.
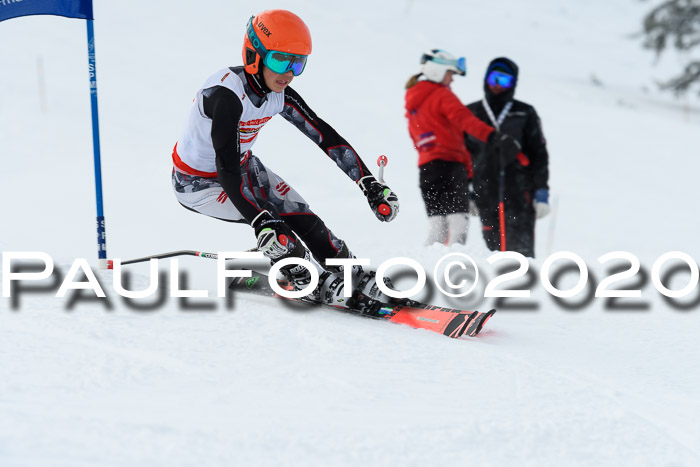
(520, 225)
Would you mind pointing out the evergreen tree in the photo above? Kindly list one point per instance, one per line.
(675, 23)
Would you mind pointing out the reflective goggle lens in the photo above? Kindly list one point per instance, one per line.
(280, 62)
(499, 78)
(459, 65)
(462, 65)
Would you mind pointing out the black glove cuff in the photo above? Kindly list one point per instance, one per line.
(366, 182)
(265, 220)
(261, 219)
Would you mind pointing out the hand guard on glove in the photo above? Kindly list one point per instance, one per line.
(275, 239)
(541, 203)
(381, 199)
(504, 145)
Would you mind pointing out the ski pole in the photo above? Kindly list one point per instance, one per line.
(170, 254)
(502, 200)
(502, 217)
(384, 208)
(381, 162)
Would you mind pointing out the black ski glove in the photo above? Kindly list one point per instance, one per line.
(504, 145)
(381, 199)
(275, 239)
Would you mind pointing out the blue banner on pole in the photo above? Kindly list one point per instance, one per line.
(70, 8)
(81, 9)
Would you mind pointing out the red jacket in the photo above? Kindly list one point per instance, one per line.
(436, 122)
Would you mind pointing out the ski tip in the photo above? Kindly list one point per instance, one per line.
(479, 321)
(459, 325)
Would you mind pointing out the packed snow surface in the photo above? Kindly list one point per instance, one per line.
(206, 381)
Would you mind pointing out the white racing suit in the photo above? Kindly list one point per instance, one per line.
(216, 174)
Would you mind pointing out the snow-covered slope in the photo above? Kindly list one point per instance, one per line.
(96, 382)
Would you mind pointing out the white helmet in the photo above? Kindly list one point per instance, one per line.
(437, 62)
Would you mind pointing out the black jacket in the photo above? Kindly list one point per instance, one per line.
(523, 124)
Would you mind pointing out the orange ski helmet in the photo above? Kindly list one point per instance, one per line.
(274, 30)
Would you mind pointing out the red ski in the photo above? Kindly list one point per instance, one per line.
(449, 322)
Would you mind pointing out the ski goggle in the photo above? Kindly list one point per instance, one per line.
(281, 62)
(499, 78)
(277, 62)
(459, 65)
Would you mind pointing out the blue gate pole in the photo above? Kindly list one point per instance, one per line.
(101, 233)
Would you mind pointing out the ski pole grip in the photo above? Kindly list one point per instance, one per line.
(382, 161)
